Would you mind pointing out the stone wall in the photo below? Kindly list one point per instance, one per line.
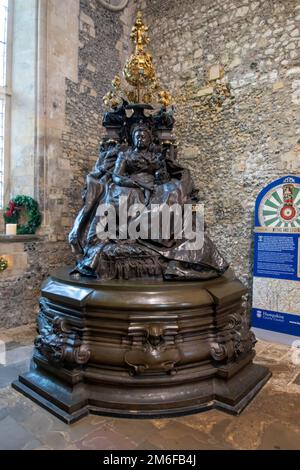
(30, 263)
(80, 75)
(233, 67)
(101, 48)
(81, 46)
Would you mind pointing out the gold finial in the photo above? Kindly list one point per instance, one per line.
(139, 73)
(139, 33)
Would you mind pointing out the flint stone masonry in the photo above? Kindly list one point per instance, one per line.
(20, 289)
(102, 44)
(245, 139)
(82, 52)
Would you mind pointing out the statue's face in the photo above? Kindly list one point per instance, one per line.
(141, 139)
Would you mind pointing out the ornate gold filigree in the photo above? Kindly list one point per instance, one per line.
(139, 73)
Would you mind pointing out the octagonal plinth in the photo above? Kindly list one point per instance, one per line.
(141, 348)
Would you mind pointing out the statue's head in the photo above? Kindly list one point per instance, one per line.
(141, 136)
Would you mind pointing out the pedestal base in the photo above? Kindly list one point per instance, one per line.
(142, 349)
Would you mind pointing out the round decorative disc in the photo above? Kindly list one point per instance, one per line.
(114, 5)
(276, 210)
(288, 212)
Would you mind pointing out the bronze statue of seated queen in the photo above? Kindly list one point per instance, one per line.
(116, 335)
(140, 168)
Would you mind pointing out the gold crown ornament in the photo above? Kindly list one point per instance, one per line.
(139, 73)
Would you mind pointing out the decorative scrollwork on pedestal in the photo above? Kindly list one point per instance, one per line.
(233, 340)
(150, 351)
(234, 321)
(57, 342)
(245, 338)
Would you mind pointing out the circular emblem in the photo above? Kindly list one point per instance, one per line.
(288, 212)
(114, 5)
(280, 207)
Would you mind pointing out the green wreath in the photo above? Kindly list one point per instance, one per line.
(34, 217)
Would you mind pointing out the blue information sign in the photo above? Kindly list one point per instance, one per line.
(276, 255)
(276, 321)
(276, 283)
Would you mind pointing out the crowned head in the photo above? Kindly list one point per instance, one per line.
(141, 136)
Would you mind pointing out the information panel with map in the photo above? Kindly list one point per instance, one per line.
(276, 282)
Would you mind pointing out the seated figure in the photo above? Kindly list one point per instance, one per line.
(145, 172)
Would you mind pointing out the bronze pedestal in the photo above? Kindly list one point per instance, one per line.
(142, 348)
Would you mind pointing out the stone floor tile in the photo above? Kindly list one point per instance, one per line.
(43, 448)
(279, 436)
(145, 445)
(10, 373)
(297, 380)
(186, 442)
(219, 429)
(57, 440)
(159, 423)
(106, 438)
(95, 420)
(40, 422)
(78, 431)
(22, 412)
(3, 413)
(275, 352)
(32, 445)
(179, 436)
(203, 421)
(137, 433)
(13, 436)
(20, 355)
(260, 347)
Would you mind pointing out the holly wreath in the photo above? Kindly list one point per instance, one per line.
(34, 217)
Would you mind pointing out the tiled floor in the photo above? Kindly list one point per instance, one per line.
(272, 421)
